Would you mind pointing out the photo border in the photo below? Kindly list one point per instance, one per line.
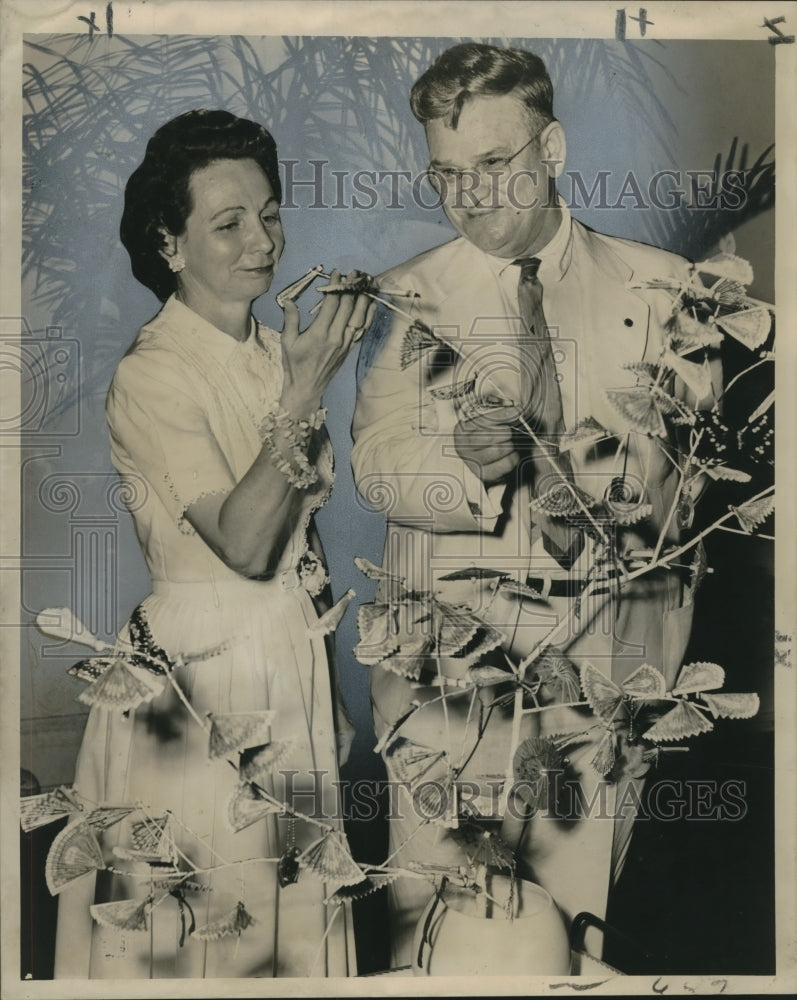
(567, 19)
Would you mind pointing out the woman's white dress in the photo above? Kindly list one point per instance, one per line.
(185, 410)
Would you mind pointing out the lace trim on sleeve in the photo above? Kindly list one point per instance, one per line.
(318, 496)
(182, 505)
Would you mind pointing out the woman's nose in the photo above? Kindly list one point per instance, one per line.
(260, 239)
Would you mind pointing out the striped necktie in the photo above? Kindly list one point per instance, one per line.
(561, 540)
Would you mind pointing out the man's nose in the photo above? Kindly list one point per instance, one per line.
(476, 189)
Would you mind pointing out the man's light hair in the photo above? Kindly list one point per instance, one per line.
(473, 69)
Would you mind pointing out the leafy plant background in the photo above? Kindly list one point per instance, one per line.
(91, 104)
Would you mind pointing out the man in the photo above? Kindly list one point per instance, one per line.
(456, 433)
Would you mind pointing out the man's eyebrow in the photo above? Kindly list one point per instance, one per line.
(495, 151)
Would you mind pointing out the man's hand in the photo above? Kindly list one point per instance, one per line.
(486, 443)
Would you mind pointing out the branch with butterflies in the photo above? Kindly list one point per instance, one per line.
(122, 676)
(412, 633)
(133, 671)
(406, 631)
(632, 723)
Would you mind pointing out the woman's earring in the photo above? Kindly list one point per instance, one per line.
(176, 262)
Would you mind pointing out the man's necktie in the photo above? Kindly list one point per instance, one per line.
(561, 540)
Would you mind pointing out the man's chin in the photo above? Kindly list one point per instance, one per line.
(487, 233)
(495, 244)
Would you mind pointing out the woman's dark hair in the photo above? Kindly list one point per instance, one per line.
(473, 69)
(157, 196)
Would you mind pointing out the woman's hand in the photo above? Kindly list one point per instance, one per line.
(248, 527)
(311, 357)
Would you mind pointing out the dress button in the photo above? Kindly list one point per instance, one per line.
(628, 321)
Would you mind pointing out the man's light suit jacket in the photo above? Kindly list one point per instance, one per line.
(403, 458)
(440, 518)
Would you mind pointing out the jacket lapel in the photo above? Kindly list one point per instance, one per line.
(620, 319)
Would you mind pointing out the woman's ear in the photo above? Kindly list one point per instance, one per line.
(170, 251)
(168, 247)
(554, 148)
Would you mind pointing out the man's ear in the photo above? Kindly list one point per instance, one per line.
(554, 148)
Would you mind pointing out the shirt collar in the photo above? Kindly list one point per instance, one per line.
(212, 341)
(554, 256)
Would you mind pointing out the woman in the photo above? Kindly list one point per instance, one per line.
(217, 433)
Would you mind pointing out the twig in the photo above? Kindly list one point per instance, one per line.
(677, 496)
(474, 693)
(553, 636)
(581, 703)
(401, 846)
(584, 509)
(324, 937)
(760, 302)
(376, 298)
(198, 839)
(745, 371)
(514, 742)
(180, 694)
(194, 873)
(445, 711)
(546, 453)
(665, 560)
(482, 729)
(747, 534)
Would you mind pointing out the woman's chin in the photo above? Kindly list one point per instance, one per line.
(255, 283)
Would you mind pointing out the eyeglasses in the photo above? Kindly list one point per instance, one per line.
(446, 180)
